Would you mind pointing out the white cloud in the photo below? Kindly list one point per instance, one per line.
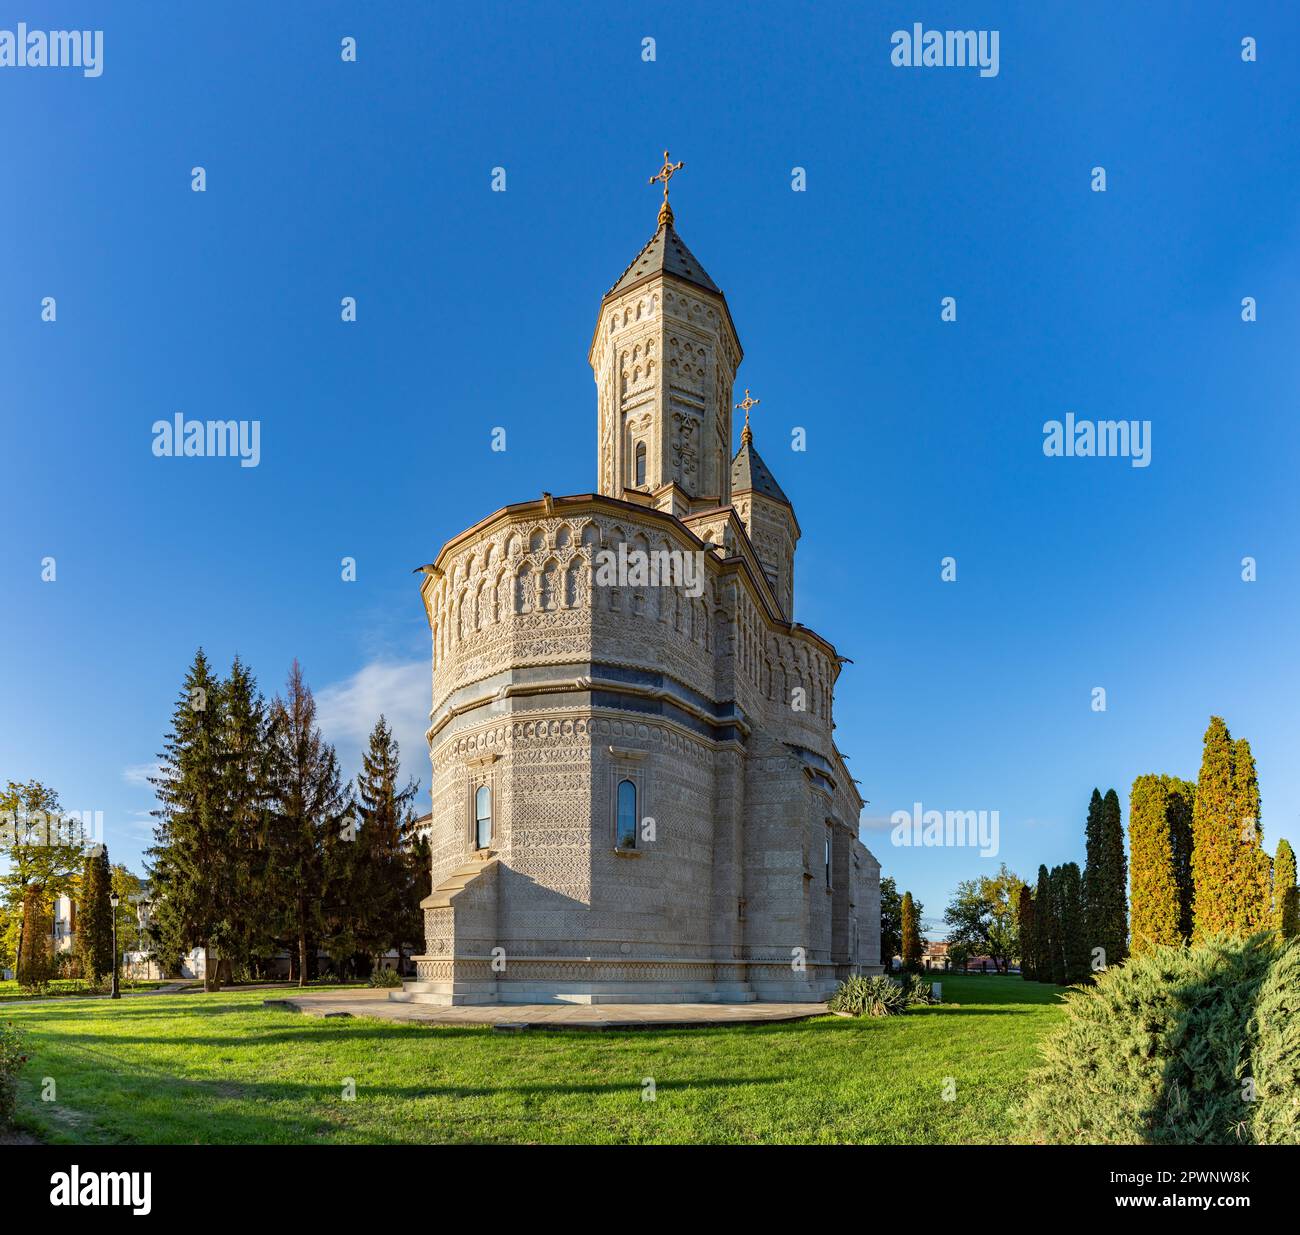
(139, 773)
(401, 690)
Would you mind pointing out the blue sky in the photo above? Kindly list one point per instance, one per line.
(475, 309)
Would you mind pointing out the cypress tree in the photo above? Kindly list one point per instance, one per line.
(1060, 925)
(1027, 928)
(95, 917)
(1286, 905)
(911, 936)
(1179, 811)
(1075, 946)
(1253, 868)
(1230, 870)
(1115, 938)
(1096, 893)
(1045, 927)
(1154, 895)
(1214, 836)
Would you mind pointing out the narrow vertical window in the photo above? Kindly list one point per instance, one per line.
(828, 858)
(483, 817)
(625, 836)
(640, 464)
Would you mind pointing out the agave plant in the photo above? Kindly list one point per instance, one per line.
(875, 996)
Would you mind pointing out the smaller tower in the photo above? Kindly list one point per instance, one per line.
(664, 357)
(766, 513)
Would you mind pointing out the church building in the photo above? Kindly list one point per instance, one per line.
(637, 795)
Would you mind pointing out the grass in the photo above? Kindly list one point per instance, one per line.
(222, 1069)
(63, 987)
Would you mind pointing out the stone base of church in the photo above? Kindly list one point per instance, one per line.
(617, 981)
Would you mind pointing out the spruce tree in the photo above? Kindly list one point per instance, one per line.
(310, 810)
(95, 918)
(248, 907)
(1027, 927)
(191, 837)
(911, 936)
(1286, 905)
(1045, 927)
(386, 818)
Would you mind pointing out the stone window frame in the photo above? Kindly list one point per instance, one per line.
(626, 764)
(478, 773)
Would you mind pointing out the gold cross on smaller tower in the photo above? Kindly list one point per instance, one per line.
(744, 405)
(666, 173)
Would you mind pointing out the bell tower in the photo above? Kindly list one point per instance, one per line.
(664, 357)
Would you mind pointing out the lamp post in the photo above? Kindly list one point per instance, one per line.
(114, 900)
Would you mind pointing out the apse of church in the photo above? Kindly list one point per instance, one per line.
(636, 793)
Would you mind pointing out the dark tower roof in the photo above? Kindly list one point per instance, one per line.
(748, 471)
(665, 253)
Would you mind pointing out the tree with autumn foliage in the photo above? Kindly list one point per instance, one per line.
(1230, 870)
(1286, 897)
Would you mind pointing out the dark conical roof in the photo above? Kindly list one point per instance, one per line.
(748, 471)
(665, 253)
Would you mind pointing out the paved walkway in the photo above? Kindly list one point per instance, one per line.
(519, 1016)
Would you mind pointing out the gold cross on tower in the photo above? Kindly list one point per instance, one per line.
(666, 173)
(744, 405)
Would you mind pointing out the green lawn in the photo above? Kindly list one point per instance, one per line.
(221, 1068)
(64, 987)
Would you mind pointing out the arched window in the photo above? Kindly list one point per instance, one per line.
(640, 464)
(828, 857)
(482, 817)
(625, 837)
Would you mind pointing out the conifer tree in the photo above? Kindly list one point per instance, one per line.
(911, 936)
(310, 815)
(1027, 926)
(1075, 946)
(1254, 870)
(386, 818)
(1060, 924)
(191, 837)
(1286, 897)
(1095, 891)
(1181, 804)
(1045, 925)
(248, 907)
(95, 917)
(1115, 940)
(1230, 877)
(1155, 899)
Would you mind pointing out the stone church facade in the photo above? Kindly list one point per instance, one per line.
(637, 796)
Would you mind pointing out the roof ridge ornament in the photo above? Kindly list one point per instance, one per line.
(666, 173)
(746, 434)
